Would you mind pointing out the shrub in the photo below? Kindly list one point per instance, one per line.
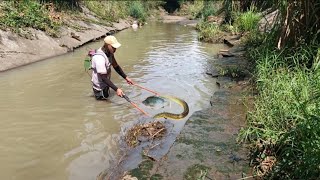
(287, 111)
(209, 32)
(136, 10)
(248, 21)
(108, 10)
(26, 14)
(193, 9)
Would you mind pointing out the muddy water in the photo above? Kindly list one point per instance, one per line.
(51, 126)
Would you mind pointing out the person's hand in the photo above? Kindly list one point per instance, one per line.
(120, 92)
(129, 81)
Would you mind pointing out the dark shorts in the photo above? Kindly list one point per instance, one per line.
(101, 95)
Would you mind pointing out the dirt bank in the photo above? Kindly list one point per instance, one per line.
(35, 45)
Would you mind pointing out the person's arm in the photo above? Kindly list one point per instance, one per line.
(119, 70)
(105, 79)
(100, 67)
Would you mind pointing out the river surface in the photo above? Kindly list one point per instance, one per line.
(52, 128)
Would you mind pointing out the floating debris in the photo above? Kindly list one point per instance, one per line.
(145, 132)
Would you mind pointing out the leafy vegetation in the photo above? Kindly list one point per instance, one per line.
(45, 14)
(191, 8)
(287, 111)
(138, 11)
(209, 32)
(284, 123)
(247, 21)
(17, 15)
(108, 10)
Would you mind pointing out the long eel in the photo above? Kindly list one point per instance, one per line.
(172, 115)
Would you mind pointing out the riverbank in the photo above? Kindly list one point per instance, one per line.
(36, 45)
(33, 45)
(31, 31)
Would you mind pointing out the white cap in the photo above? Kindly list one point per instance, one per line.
(112, 41)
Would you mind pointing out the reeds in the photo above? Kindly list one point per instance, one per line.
(247, 21)
(286, 111)
(209, 32)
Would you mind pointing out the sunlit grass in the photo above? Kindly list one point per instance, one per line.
(16, 16)
(192, 9)
(209, 32)
(137, 10)
(287, 111)
(108, 10)
(247, 21)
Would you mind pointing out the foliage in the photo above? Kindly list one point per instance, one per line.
(230, 28)
(150, 5)
(193, 9)
(298, 23)
(247, 21)
(108, 10)
(210, 8)
(115, 10)
(287, 110)
(64, 5)
(137, 10)
(300, 145)
(17, 15)
(209, 32)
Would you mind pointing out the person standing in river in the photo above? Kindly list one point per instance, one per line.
(101, 69)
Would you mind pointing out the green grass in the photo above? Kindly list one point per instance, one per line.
(287, 110)
(192, 9)
(108, 10)
(45, 15)
(19, 15)
(115, 10)
(199, 8)
(137, 10)
(209, 32)
(247, 21)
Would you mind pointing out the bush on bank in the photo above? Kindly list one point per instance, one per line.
(16, 15)
(211, 26)
(44, 14)
(283, 127)
(286, 114)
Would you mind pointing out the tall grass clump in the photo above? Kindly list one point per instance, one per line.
(137, 10)
(64, 5)
(209, 32)
(18, 15)
(248, 21)
(210, 8)
(108, 10)
(192, 8)
(286, 113)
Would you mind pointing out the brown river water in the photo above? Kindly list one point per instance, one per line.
(53, 129)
